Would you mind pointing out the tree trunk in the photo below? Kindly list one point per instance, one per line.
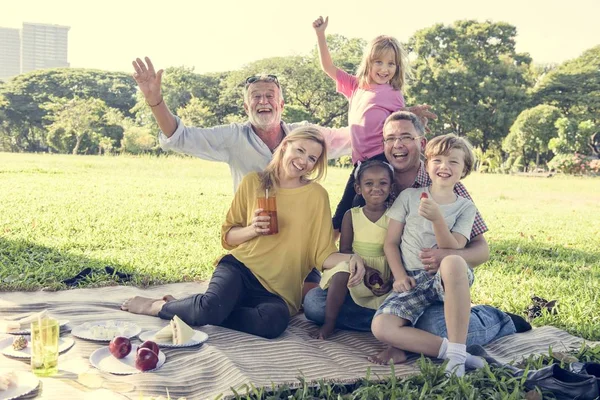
(76, 148)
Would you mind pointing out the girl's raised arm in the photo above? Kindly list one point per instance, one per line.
(320, 25)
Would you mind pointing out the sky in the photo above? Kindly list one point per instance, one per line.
(223, 35)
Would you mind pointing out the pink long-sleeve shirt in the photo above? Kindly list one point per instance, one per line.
(369, 107)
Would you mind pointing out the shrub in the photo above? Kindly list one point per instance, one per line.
(594, 166)
(138, 140)
(344, 162)
(576, 164)
(518, 165)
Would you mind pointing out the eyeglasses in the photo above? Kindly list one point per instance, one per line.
(404, 139)
(262, 78)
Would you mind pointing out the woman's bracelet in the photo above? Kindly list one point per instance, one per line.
(156, 105)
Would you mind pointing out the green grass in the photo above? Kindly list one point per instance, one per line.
(159, 219)
(490, 382)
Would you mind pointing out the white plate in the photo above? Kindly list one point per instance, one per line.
(120, 328)
(6, 348)
(104, 361)
(198, 338)
(28, 382)
(27, 331)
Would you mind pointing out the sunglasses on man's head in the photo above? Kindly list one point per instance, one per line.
(262, 78)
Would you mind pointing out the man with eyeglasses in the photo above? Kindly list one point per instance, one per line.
(404, 141)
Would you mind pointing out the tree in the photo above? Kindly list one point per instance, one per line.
(180, 86)
(25, 118)
(75, 122)
(572, 137)
(197, 113)
(308, 92)
(574, 87)
(531, 133)
(472, 75)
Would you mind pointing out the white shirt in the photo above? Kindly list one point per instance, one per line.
(240, 147)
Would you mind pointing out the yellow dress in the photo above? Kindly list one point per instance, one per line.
(368, 243)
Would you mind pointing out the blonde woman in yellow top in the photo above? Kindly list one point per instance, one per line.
(258, 285)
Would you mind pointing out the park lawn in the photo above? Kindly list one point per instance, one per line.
(159, 218)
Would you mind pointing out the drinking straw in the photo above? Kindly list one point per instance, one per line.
(41, 339)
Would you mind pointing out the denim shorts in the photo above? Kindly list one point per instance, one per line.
(411, 305)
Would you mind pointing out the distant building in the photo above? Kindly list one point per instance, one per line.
(43, 46)
(10, 53)
(36, 46)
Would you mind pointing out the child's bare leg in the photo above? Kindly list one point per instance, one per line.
(457, 305)
(336, 294)
(143, 305)
(457, 298)
(393, 331)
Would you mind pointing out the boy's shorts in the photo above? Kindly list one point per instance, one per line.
(412, 304)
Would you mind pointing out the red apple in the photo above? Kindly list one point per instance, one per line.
(149, 344)
(146, 359)
(120, 346)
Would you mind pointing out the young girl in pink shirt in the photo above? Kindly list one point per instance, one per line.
(374, 93)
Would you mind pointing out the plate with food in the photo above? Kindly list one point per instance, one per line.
(105, 331)
(15, 384)
(176, 334)
(121, 357)
(22, 326)
(20, 346)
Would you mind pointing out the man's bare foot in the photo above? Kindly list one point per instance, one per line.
(324, 332)
(143, 305)
(397, 356)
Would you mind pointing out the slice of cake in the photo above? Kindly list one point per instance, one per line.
(164, 335)
(24, 323)
(177, 331)
(182, 333)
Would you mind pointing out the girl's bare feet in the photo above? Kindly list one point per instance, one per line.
(397, 356)
(144, 305)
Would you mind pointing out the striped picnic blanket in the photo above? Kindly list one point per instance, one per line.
(229, 359)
